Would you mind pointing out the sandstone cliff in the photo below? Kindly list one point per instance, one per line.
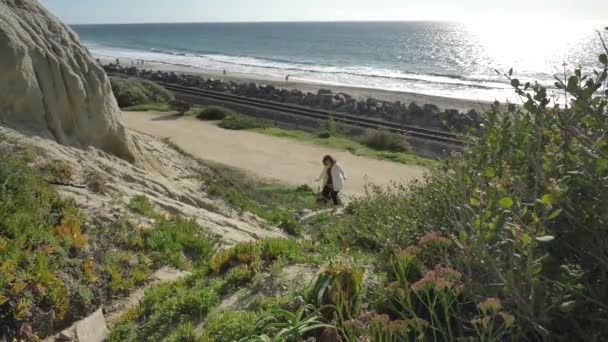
(50, 86)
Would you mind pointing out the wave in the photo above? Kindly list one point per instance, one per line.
(431, 83)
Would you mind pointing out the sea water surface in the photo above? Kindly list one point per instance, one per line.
(435, 58)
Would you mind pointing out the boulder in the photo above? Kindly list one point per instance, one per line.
(50, 86)
(92, 328)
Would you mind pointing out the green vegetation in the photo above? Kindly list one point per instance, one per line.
(504, 242)
(167, 309)
(149, 107)
(54, 264)
(343, 143)
(240, 122)
(278, 204)
(39, 235)
(134, 92)
(214, 113)
(386, 141)
(180, 107)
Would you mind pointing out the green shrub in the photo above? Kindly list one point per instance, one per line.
(386, 141)
(241, 122)
(238, 276)
(331, 129)
(141, 204)
(231, 326)
(178, 242)
(214, 113)
(180, 106)
(132, 92)
(521, 222)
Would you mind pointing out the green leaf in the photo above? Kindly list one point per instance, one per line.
(490, 173)
(474, 202)
(554, 214)
(603, 58)
(567, 307)
(506, 202)
(526, 239)
(537, 268)
(515, 83)
(546, 238)
(547, 199)
(463, 236)
(572, 83)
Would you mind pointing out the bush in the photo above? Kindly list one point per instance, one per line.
(386, 141)
(180, 106)
(527, 207)
(240, 122)
(331, 129)
(231, 326)
(132, 92)
(214, 113)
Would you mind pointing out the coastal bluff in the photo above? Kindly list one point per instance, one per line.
(51, 87)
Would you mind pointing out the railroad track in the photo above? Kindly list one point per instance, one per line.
(411, 131)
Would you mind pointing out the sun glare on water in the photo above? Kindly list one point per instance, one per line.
(534, 46)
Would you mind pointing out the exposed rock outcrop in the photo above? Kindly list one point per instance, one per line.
(50, 86)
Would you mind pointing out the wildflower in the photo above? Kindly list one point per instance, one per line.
(434, 239)
(379, 320)
(355, 325)
(481, 322)
(396, 327)
(490, 305)
(408, 253)
(439, 279)
(508, 319)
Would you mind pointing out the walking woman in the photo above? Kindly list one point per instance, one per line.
(333, 177)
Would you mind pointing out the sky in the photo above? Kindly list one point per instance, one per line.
(146, 11)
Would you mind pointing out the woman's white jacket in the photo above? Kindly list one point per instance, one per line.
(338, 176)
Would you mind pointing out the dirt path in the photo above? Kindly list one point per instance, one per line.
(281, 159)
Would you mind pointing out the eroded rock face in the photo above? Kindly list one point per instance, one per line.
(50, 85)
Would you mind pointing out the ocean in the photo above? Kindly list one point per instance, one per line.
(434, 58)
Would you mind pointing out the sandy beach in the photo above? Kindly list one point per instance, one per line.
(443, 103)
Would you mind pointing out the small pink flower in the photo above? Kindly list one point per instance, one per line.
(439, 279)
(492, 305)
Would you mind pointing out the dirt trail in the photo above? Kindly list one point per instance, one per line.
(274, 158)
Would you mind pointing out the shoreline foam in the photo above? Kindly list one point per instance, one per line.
(359, 93)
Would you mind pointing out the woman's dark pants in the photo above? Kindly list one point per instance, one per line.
(329, 194)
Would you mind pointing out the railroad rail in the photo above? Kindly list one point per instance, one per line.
(349, 119)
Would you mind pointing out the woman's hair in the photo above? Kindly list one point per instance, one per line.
(330, 158)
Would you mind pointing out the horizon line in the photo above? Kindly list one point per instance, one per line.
(274, 22)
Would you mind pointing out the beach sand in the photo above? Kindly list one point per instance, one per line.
(462, 105)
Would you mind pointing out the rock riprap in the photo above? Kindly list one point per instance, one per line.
(50, 86)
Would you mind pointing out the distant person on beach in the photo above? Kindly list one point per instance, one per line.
(225, 72)
(333, 177)
(117, 61)
(286, 79)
